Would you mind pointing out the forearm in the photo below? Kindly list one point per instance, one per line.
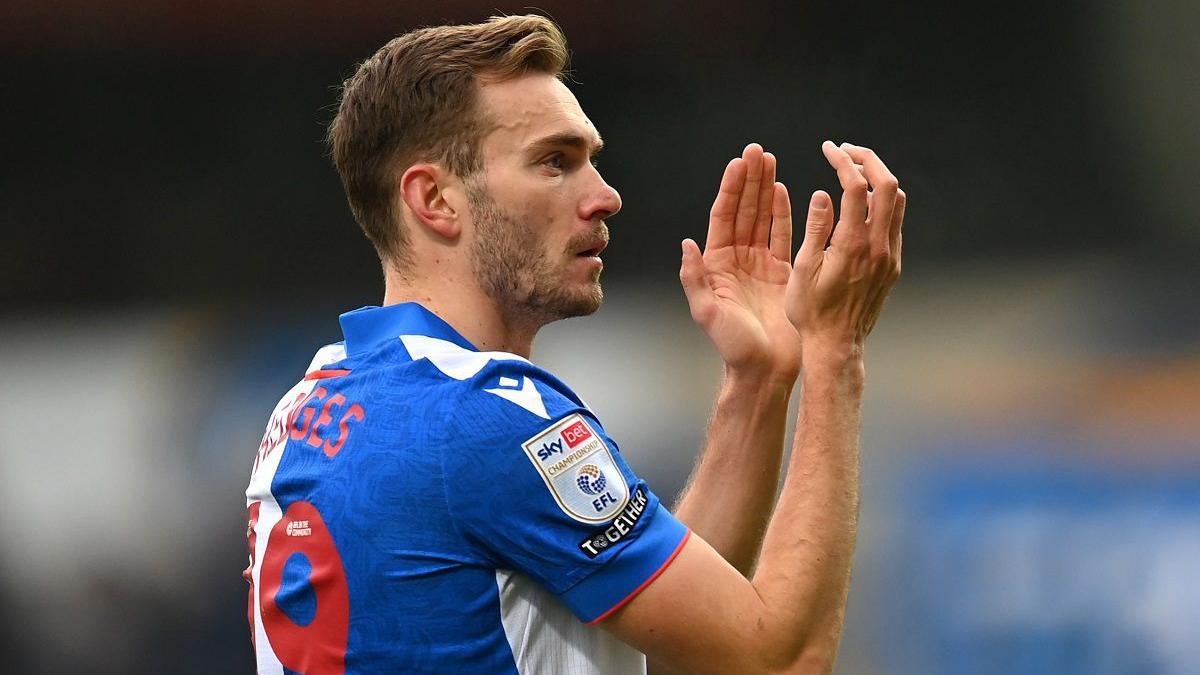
(804, 571)
(729, 496)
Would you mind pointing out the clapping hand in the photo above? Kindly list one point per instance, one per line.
(836, 292)
(736, 287)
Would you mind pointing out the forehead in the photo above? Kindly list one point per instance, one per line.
(523, 110)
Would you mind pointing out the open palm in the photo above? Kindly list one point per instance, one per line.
(736, 287)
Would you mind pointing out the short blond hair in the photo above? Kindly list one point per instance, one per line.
(416, 100)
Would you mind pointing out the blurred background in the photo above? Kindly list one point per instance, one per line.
(174, 246)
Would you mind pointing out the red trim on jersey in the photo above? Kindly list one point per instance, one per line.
(644, 584)
(323, 374)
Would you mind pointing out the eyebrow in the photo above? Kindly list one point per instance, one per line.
(570, 139)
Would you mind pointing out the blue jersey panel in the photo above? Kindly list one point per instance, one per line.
(419, 598)
(413, 468)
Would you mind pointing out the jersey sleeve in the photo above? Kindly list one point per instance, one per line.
(535, 484)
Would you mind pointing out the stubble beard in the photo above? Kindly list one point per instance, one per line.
(512, 267)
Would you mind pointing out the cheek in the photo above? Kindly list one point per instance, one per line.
(547, 205)
(546, 220)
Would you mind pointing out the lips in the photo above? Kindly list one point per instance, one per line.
(591, 252)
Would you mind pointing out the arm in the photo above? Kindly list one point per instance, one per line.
(730, 493)
(700, 615)
(736, 290)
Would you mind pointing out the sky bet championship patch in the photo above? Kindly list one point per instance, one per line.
(576, 465)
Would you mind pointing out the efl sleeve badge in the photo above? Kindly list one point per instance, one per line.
(578, 468)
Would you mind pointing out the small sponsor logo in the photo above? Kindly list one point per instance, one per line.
(601, 540)
(576, 434)
(298, 528)
(549, 449)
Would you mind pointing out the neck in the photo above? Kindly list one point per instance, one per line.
(468, 310)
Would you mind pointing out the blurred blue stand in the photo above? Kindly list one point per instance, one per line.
(1023, 567)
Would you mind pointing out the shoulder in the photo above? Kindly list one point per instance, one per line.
(491, 386)
(326, 358)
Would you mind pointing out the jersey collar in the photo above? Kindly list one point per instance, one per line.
(368, 328)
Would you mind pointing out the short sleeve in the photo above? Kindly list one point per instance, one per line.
(535, 484)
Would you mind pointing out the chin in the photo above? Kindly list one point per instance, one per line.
(593, 302)
(584, 302)
(571, 300)
(542, 299)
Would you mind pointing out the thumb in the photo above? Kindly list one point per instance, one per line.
(694, 277)
(818, 226)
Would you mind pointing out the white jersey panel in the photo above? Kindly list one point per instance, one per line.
(546, 638)
(266, 461)
(327, 354)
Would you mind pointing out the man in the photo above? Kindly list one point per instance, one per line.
(428, 500)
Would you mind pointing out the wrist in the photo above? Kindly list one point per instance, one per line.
(834, 361)
(765, 376)
(829, 351)
(759, 381)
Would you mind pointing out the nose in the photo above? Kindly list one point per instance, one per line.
(602, 202)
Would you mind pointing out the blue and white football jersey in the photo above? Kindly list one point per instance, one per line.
(419, 506)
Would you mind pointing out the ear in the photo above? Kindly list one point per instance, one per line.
(423, 189)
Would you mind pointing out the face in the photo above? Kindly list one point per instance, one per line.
(539, 205)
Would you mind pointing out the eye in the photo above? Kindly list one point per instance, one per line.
(555, 161)
(595, 161)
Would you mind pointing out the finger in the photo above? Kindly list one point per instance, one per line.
(895, 244)
(853, 214)
(747, 212)
(868, 160)
(884, 187)
(817, 226)
(766, 197)
(896, 231)
(724, 208)
(781, 223)
(694, 278)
